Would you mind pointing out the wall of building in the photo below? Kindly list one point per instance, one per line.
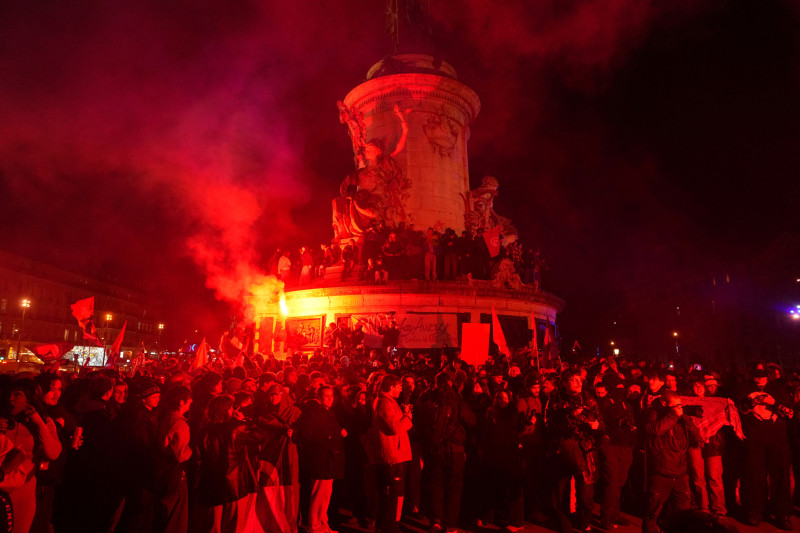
(51, 291)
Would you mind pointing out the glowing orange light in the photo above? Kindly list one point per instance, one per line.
(282, 303)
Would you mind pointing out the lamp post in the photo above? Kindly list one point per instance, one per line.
(677, 348)
(160, 331)
(25, 304)
(105, 337)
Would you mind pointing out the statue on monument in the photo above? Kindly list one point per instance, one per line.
(409, 25)
(376, 191)
(479, 211)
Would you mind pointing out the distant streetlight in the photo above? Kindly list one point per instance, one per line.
(25, 304)
(616, 351)
(677, 348)
(160, 330)
(105, 337)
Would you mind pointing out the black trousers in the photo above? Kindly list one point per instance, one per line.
(584, 496)
(414, 478)
(391, 487)
(534, 486)
(659, 490)
(614, 467)
(447, 483)
(767, 457)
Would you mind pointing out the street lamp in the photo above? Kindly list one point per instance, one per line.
(160, 330)
(25, 304)
(105, 337)
(677, 349)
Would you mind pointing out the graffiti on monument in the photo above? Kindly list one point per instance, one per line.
(304, 332)
(416, 330)
(442, 133)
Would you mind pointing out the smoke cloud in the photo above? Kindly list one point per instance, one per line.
(136, 134)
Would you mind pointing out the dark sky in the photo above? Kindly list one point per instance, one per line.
(163, 142)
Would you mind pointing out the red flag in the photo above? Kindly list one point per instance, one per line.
(548, 340)
(138, 360)
(52, 352)
(492, 238)
(497, 335)
(83, 311)
(113, 352)
(201, 355)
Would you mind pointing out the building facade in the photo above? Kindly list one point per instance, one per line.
(49, 291)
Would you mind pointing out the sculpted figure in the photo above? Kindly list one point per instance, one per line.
(375, 191)
(479, 210)
(504, 276)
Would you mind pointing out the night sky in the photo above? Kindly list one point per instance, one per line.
(157, 142)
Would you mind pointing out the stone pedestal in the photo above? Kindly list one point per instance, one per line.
(438, 111)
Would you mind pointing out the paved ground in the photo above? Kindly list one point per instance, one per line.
(410, 526)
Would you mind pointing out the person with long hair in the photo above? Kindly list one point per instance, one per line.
(502, 463)
(37, 440)
(226, 477)
(51, 474)
(171, 513)
(322, 452)
(278, 466)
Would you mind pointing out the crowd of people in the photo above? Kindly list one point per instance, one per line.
(404, 253)
(376, 436)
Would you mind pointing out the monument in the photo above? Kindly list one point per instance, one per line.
(409, 124)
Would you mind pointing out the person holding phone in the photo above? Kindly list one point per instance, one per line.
(37, 440)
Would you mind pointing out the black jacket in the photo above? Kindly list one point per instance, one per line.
(443, 417)
(321, 444)
(226, 467)
(667, 439)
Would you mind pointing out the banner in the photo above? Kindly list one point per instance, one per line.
(474, 343)
(717, 412)
(83, 311)
(416, 330)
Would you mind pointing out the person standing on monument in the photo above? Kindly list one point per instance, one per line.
(430, 247)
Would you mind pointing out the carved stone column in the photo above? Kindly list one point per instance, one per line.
(438, 110)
